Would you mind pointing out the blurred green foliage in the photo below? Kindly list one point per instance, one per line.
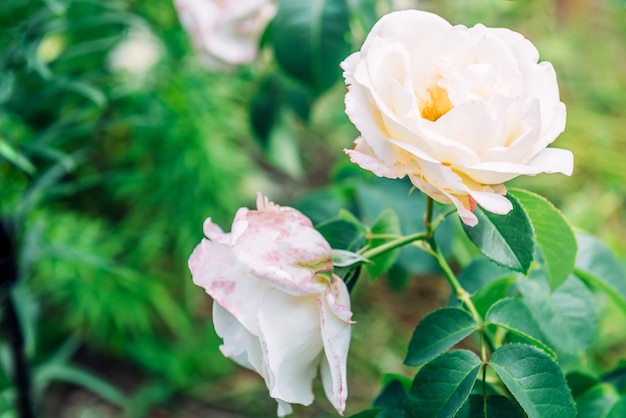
(107, 174)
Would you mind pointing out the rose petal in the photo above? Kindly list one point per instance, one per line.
(363, 112)
(239, 344)
(229, 282)
(493, 202)
(363, 156)
(280, 247)
(550, 160)
(335, 315)
(215, 233)
(476, 125)
(290, 337)
(554, 160)
(406, 27)
(284, 408)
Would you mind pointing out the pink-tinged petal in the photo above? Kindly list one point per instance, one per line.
(266, 278)
(264, 203)
(363, 156)
(283, 240)
(283, 278)
(240, 224)
(290, 337)
(467, 216)
(338, 299)
(229, 282)
(336, 338)
(215, 233)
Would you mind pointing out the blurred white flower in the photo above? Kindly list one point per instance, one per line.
(225, 33)
(277, 304)
(136, 54)
(458, 110)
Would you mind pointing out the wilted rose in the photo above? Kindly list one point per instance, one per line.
(277, 304)
(458, 110)
(225, 33)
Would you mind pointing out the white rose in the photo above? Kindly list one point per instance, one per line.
(225, 33)
(277, 305)
(459, 110)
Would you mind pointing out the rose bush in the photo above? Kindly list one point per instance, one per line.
(225, 33)
(458, 110)
(277, 304)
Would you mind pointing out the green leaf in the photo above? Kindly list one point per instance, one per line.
(597, 401)
(310, 40)
(86, 90)
(342, 235)
(619, 409)
(283, 150)
(512, 315)
(70, 374)
(387, 223)
(553, 235)
(596, 265)
(441, 387)
(319, 206)
(493, 406)
(567, 317)
(579, 382)
(275, 95)
(506, 239)
(392, 396)
(343, 258)
(535, 380)
(617, 376)
(437, 332)
(15, 157)
(365, 12)
(487, 281)
(376, 195)
(370, 413)
(480, 272)
(265, 109)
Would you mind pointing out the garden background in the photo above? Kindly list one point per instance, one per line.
(109, 164)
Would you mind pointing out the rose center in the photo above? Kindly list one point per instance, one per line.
(437, 104)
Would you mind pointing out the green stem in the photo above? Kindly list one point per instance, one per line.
(461, 294)
(459, 291)
(428, 216)
(392, 245)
